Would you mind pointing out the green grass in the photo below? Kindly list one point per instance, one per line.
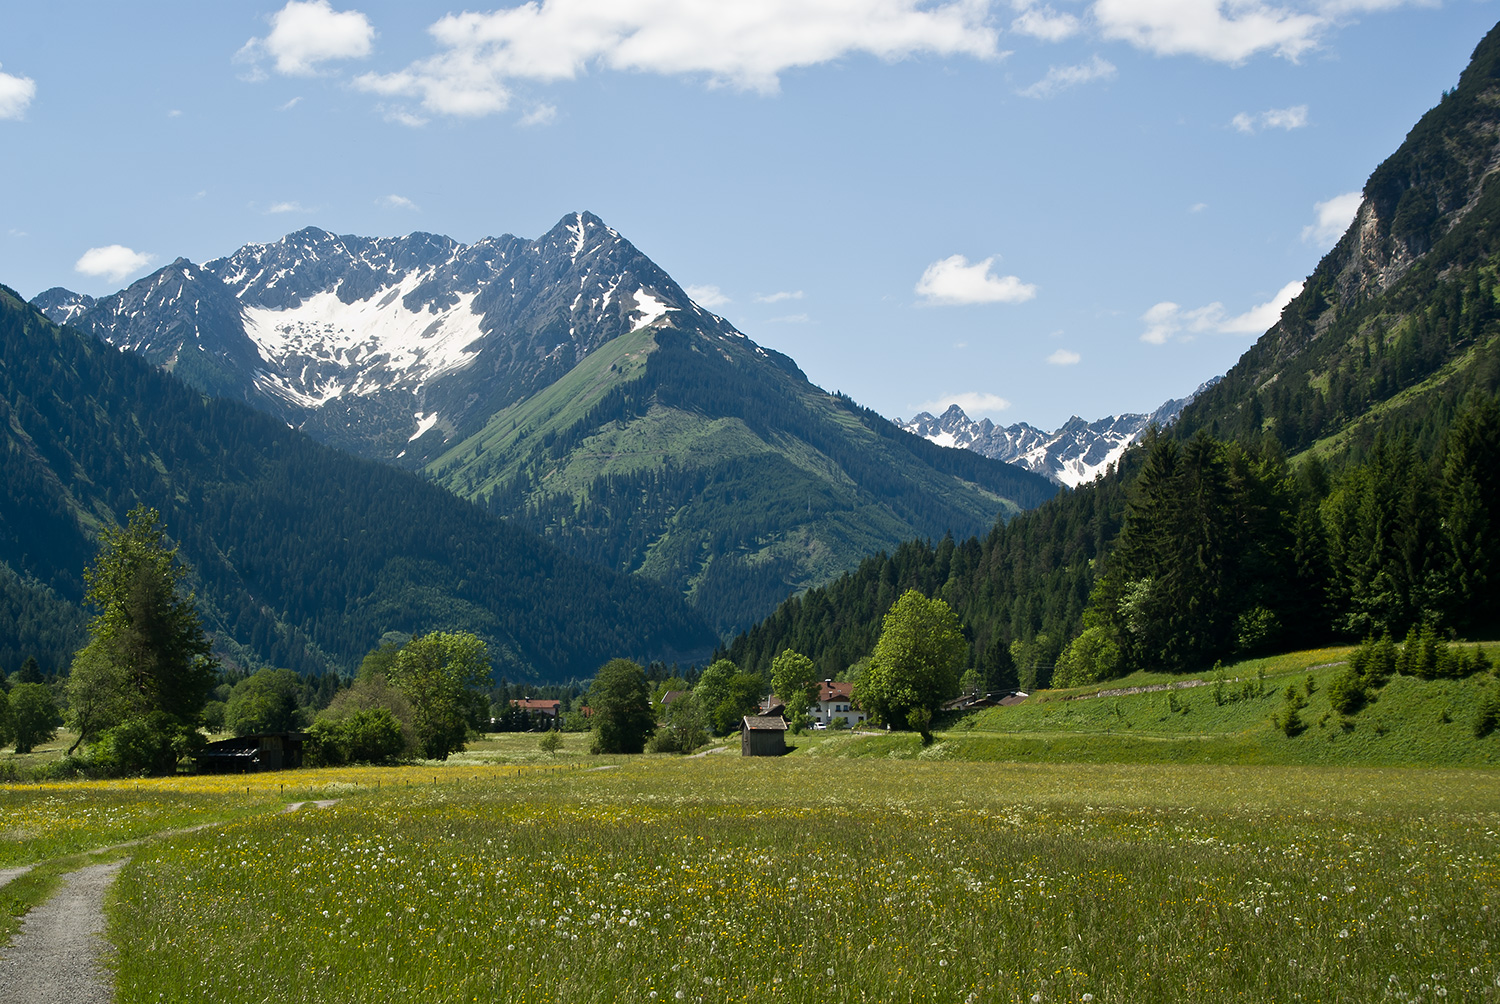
(725, 879)
(555, 408)
(1412, 722)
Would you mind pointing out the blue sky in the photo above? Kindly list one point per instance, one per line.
(1034, 209)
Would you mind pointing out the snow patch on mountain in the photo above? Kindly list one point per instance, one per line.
(650, 307)
(424, 422)
(372, 344)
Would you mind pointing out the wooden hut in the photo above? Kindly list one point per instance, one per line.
(247, 754)
(762, 735)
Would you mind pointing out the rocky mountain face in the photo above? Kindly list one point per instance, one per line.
(387, 347)
(1071, 455)
(1393, 328)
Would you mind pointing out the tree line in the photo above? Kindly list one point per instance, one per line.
(1188, 553)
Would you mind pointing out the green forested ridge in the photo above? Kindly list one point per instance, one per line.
(1380, 381)
(714, 467)
(302, 556)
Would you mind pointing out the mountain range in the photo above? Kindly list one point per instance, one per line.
(568, 384)
(1074, 454)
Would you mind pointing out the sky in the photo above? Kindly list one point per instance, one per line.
(1031, 209)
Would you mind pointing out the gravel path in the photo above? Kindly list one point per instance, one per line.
(6, 874)
(56, 955)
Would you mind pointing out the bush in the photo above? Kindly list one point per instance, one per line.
(1487, 718)
(151, 745)
(34, 717)
(1091, 657)
(551, 742)
(369, 735)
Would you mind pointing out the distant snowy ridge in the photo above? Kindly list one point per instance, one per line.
(1074, 454)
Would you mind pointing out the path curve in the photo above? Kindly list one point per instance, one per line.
(57, 953)
(8, 874)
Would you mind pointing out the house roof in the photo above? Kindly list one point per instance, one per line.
(835, 690)
(529, 704)
(765, 723)
(671, 696)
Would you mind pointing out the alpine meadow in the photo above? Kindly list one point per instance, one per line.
(418, 617)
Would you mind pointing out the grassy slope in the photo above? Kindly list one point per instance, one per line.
(1413, 722)
(841, 523)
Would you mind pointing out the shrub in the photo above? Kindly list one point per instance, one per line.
(369, 735)
(149, 745)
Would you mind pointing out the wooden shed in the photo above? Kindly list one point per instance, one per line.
(762, 735)
(247, 754)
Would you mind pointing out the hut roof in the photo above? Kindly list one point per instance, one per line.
(765, 723)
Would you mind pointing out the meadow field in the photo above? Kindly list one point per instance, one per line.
(798, 879)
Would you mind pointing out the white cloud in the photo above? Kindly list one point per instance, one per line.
(395, 202)
(707, 296)
(1227, 31)
(1166, 320)
(540, 115)
(972, 402)
(402, 117)
(1294, 117)
(287, 207)
(1046, 24)
(16, 94)
(114, 261)
(306, 33)
(1197, 207)
(1064, 357)
(742, 45)
(1333, 218)
(953, 281)
(175, 113)
(291, 104)
(1060, 78)
(778, 296)
(790, 319)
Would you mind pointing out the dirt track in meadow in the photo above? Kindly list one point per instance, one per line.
(58, 954)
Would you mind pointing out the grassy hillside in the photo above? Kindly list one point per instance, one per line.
(712, 466)
(1413, 721)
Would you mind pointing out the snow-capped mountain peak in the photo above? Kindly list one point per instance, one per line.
(410, 335)
(1076, 453)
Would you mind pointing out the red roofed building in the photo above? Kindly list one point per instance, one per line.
(549, 708)
(835, 700)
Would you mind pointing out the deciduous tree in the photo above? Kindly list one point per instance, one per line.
(33, 715)
(621, 705)
(794, 678)
(438, 674)
(915, 664)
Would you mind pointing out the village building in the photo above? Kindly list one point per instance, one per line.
(762, 735)
(550, 709)
(835, 702)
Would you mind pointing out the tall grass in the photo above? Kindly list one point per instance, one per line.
(723, 879)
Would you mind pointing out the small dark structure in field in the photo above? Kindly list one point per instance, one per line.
(762, 735)
(247, 754)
